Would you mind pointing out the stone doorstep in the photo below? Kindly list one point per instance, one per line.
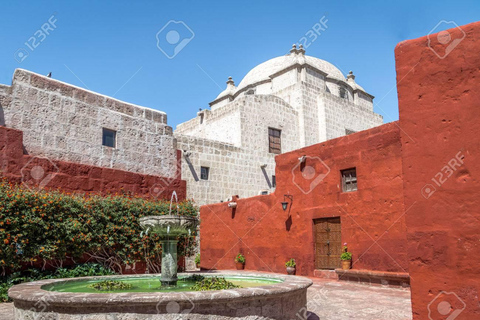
(376, 278)
(325, 274)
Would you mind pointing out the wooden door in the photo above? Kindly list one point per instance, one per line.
(328, 243)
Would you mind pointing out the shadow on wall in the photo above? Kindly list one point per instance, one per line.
(2, 116)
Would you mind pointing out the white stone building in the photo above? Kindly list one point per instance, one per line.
(283, 104)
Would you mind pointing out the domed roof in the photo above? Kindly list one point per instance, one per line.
(264, 70)
(229, 91)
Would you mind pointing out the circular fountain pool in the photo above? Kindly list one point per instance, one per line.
(152, 284)
(272, 296)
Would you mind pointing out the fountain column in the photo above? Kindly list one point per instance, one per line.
(169, 262)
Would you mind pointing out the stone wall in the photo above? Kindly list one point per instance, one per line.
(42, 173)
(235, 168)
(64, 122)
(372, 218)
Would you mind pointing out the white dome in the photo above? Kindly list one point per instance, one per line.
(264, 70)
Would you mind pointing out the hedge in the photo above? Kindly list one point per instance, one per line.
(49, 227)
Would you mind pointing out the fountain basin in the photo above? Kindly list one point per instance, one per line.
(283, 298)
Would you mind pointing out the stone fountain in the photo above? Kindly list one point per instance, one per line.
(169, 227)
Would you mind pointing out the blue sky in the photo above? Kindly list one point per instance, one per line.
(110, 46)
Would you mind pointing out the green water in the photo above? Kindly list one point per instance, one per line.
(150, 284)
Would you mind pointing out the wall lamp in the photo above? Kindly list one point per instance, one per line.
(285, 203)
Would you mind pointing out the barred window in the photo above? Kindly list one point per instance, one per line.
(274, 141)
(349, 180)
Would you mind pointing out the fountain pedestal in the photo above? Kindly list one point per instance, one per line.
(169, 227)
(169, 263)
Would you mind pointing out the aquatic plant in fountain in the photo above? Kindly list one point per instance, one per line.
(169, 228)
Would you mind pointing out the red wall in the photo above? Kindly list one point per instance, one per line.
(439, 102)
(372, 218)
(73, 177)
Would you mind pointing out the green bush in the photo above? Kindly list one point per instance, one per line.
(290, 263)
(110, 285)
(240, 258)
(88, 269)
(49, 227)
(346, 256)
(197, 259)
(213, 283)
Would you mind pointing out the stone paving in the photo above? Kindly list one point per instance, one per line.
(342, 300)
(334, 300)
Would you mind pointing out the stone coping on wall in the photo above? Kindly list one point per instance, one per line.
(27, 295)
(394, 279)
(67, 90)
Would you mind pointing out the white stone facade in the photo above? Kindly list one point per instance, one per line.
(64, 122)
(307, 98)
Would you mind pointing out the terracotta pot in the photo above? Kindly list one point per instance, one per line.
(240, 265)
(291, 270)
(197, 265)
(346, 264)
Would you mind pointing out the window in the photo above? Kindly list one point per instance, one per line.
(109, 138)
(274, 141)
(349, 180)
(274, 181)
(204, 171)
(343, 93)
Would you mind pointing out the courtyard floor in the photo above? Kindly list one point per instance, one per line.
(336, 300)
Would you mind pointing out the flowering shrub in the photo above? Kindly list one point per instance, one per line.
(49, 227)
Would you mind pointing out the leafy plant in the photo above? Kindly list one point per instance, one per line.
(45, 228)
(290, 263)
(193, 277)
(88, 269)
(197, 259)
(213, 283)
(346, 255)
(240, 258)
(110, 285)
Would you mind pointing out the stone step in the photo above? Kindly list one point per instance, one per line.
(376, 278)
(325, 274)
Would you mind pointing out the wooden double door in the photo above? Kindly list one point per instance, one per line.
(328, 243)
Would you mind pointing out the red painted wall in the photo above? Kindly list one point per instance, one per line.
(372, 218)
(439, 100)
(73, 177)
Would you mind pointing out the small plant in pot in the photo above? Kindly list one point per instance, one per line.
(197, 261)
(240, 261)
(291, 266)
(346, 258)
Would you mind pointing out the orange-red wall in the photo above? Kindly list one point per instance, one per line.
(74, 177)
(439, 102)
(372, 218)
